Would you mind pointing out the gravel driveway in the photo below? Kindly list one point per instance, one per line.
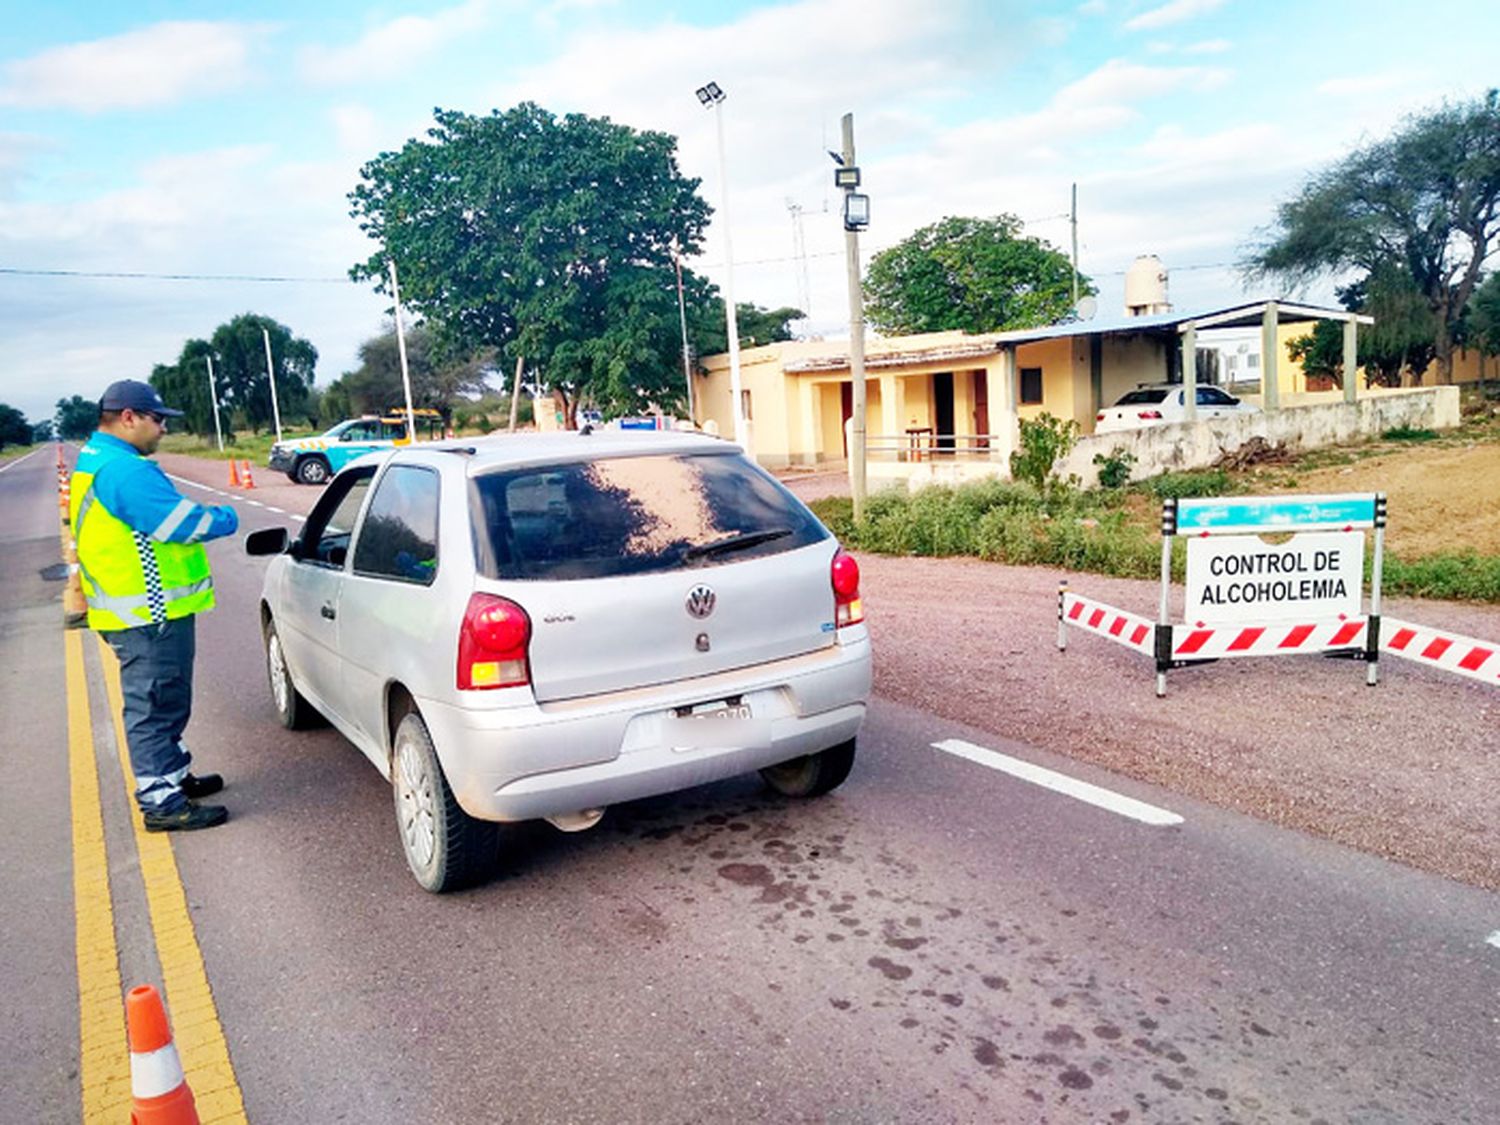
(1408, 769)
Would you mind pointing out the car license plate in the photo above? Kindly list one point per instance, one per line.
(715, 726)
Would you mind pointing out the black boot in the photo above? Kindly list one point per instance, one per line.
(188, 818)
(195, 787)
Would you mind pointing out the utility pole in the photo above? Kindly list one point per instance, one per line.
(213, 393)
(271, 378)
(711, 96)
(411, 419)
(687, 364)
(1073, 218)
(856, 321)
(515, 393)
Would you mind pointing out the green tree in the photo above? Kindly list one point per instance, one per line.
(1425, 201)
(184, 386)
(42, 431)
(436, 378)
(76, 418)
(550, 238)
(710, 332)
(239, 353)
(1404, 335)
(1484, 316)
(978, 275)
(1321, 351)
(14, 429)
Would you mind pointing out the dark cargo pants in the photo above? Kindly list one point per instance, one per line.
(156, 680)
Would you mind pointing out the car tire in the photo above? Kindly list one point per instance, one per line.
(294, 711)
(312, 470)
(445, 847)
(812, 775)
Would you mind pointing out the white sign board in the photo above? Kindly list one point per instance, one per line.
(1313, 576)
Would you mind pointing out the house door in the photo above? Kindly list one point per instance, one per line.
(846, 411)
(942, 408)
(982, 408)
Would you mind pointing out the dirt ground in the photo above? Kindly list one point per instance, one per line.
(1408, 769)
(1440, 497)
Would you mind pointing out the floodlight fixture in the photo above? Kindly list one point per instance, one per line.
(710, 94)
(856, 211)
(846, 177)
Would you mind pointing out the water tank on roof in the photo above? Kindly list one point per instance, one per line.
(1146, 287)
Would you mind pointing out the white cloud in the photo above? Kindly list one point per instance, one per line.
(1208, 47)
(357, 128)
(1362, 85)
(1174, 12)
(1118, 82)
(156, 65)
(394, 45)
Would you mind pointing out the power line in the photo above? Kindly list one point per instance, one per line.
(141, 276)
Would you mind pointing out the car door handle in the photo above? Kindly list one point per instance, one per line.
(328, 612)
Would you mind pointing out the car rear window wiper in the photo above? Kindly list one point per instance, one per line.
(737, 542)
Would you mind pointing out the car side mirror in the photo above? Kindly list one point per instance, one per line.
(267, 541)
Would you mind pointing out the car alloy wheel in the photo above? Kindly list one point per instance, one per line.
(416, 803)
(281, 687)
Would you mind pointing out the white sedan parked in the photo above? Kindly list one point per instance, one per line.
(537, 626)
(1159, 403)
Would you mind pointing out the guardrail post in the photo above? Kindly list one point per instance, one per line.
(1062, 624)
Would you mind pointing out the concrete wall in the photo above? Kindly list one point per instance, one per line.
(1197, 445)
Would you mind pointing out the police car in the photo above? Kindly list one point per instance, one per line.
(314, 460)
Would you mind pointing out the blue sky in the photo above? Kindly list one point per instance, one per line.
(217, 139)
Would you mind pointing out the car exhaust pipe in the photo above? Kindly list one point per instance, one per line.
(580, 821)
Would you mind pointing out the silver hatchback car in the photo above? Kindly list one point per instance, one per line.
(538, 626)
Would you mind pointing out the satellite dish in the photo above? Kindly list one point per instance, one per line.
(1087, 308)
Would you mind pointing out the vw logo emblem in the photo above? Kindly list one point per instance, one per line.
(700, 601)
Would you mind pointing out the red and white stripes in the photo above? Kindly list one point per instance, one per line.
(1213, 642)
(1128, 629)
(1437, 648)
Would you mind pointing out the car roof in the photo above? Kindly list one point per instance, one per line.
(509, 451)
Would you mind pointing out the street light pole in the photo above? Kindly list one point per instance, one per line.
(687, 365)
(850, 181)
(712, 95)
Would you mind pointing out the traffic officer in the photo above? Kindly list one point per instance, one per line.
(145, 575)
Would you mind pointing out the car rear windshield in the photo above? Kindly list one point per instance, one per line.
(633, 515)
(1143, 397)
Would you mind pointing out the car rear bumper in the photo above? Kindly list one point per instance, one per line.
(521, 763)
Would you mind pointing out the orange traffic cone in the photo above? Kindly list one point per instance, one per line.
(159, 1091)
(249, 480)
(234, 473)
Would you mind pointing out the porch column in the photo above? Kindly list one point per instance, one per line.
(1351, 359)
(1009, 428)
(809, 408)
(1270, 365)
(1190, 373)
(892, 409)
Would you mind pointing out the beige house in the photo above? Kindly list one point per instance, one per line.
(956, 396)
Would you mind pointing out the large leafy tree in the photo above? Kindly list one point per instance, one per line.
(14, 429)
(548, 237)
(1484, 316)
(76, 418)
(184, 386)
(1425, 201)
(437, 378)
(977, 275)
(240, 367)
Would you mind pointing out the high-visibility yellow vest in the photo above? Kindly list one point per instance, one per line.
(128, 578)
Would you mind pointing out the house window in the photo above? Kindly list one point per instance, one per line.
(1031, 386)
(1252, 360)
(745, 404)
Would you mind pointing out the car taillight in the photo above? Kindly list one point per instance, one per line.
(848, 608)
(492, 644)
(1150, 415)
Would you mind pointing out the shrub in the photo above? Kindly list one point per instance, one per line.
(1196, 482)
(1114, 467)
(1407, 433)
(1044, 439)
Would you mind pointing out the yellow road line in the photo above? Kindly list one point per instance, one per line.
(194, 1015)
(104, 1054)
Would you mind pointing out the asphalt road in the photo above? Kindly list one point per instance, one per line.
(936, 941)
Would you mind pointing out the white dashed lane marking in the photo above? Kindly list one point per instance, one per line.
(230, 496)
(1061, 783)
(1493, 939)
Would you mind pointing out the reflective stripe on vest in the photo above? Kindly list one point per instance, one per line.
(128, 578)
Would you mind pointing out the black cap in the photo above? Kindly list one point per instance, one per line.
(132, 394)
